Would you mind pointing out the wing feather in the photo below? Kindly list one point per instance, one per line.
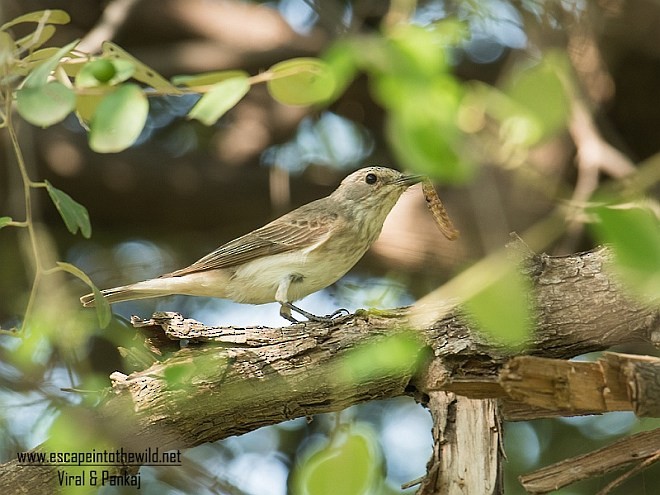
(296, 230)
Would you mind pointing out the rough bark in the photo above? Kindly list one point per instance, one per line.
(467, 438)
(616, 382)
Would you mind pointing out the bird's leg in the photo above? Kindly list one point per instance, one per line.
(285, 312)
(281, 296)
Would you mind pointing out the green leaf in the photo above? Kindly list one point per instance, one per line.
(342, 62)
(54, 16)
(634, 235)
(101, 71)
(543, 105)
(417, 51)
(350, 465)
(208, 78)
(221, 98)
(101, 304)
(36, 39)
(143, 73)
(45, 105)
(119, 119)
(501, 307)
(39, 76)
(390, 356)
(421, 127)
(301, 81)
(7, 49)
(86, 106)
(178, 376)
(40, 55)
(4, 221)
(74, 214)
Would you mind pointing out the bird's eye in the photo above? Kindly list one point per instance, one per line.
(370, 178)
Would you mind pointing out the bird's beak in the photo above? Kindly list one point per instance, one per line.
(409, 180)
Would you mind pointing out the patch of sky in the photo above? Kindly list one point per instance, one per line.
(495, 25)
(406, 440)
(604, 426)
(330, 140)
(522, 444)
(300, 15)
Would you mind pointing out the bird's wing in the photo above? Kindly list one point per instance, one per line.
(287, 233)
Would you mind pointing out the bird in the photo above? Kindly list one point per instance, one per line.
(291, 257)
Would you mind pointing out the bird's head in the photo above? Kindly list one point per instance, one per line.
(375, 187)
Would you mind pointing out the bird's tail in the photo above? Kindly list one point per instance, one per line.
(140, 290)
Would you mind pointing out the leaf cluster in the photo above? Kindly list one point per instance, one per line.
(109, 92)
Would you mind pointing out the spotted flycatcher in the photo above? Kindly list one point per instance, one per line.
(299, 253)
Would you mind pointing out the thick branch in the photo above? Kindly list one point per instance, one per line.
(467, 438)
(616, 382)
(258, 376)
(271, 375)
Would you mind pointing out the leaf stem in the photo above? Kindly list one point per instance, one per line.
(28, 223)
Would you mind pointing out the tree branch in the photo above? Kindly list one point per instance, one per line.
(229, 381)
(633, 449)
(113, 17)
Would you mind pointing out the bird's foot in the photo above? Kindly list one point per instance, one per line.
(285, 312)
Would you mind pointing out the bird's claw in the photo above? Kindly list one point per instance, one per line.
(341, 312)
(286, 309)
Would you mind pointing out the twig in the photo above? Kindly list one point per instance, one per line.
(629, 474)
(113, 17)
(604, 460)
(27, 192)
(594, 155)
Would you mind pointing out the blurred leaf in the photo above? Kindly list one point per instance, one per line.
(74, 214)
(38, 56)
(301, 81)
(423, 101)
(39, 76)
(341, 61)
(224, 95)
(34, 349)
(46, 104)
(4, 221)
(390, 355)
(119, 119)
(351, 465)
(423, 142)
(77, 431)
(178, 376)
(36, 39)
(417, 50)
(103, 312)
(451, 32)
(541, 96)
(143, 73)
(501, 307)
(633, 233)
(102, 71)
(7, 49)
(208, 78)
(54, 16)
(86, 106)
